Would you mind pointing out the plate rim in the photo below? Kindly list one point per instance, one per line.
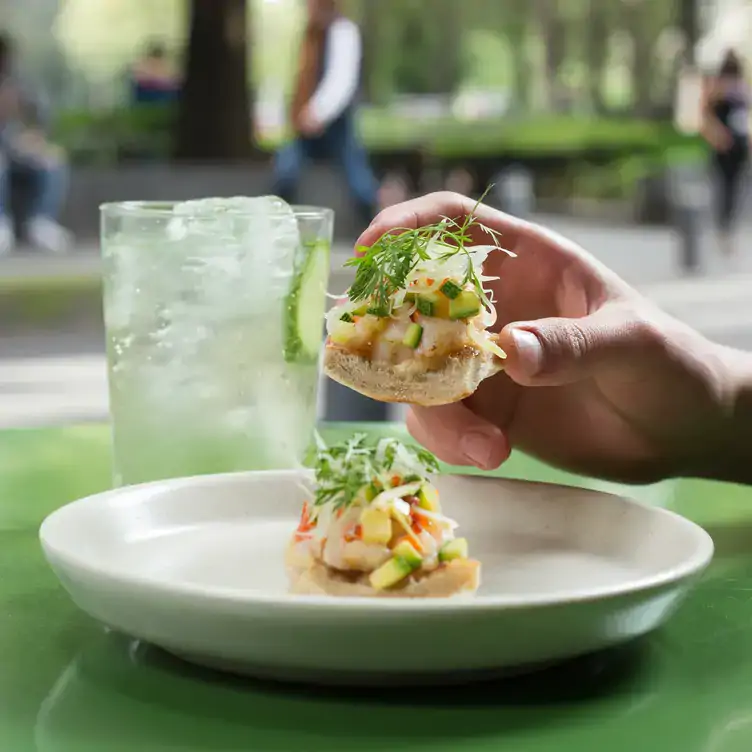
(691, 567)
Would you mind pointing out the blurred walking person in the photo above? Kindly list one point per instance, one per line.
(323, 108)
(725, 126)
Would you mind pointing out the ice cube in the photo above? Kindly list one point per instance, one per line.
(254, 239)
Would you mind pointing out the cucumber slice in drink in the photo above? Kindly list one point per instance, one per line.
(306, 304)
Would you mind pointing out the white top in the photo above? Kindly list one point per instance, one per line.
(339, 83)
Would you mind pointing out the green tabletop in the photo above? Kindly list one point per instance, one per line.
(67, 685)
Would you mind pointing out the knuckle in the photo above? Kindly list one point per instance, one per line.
(571, 340)
(577, 339)
(644, 332)
(641, 329)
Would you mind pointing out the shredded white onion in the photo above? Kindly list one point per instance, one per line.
(440, 518)
(484, 342)
(405, 525)
(391, 495)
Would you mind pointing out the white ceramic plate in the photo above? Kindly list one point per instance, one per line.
(196, 566)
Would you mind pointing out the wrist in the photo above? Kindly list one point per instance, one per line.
(729, 444)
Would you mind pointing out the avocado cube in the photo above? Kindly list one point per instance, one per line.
(428, 498)
(454, 549)
(389, 574)
(376, 525)
(343, 332)
(464, 306)
(407, 552)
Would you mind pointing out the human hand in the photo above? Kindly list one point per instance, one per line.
(723, 140)
(308, 124)
(720, 138)
(34, 143)
(598, 380)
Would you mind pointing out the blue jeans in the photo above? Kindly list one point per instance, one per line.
(339, 143)
(49, 183)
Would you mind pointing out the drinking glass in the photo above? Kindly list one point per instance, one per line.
(213, 311)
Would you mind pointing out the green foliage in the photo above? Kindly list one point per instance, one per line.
(105, 137)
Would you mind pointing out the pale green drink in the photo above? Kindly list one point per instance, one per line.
(213, 311)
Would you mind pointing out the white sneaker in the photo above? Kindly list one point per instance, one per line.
(49, 236)
(7, 237)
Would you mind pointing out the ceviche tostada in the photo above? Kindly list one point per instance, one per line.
(374, 527)
(414, 327)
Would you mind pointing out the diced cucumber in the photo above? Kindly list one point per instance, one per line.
(454, 549)
(376, 525)
(413, 336)
(346, 317)
(428, 498)
(451, 289)
(379, 311)
(407, 552)
(464, 306)
(306, 304)
(424, 305)
(389, 574)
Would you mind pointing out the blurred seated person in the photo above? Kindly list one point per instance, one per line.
(153, 80)
(26, 151)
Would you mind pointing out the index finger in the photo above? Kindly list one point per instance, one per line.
(432, 207)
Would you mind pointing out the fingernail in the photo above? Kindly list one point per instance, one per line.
(529, 351)
(477, 448)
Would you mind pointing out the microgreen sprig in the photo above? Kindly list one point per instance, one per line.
(343, 469)
(384, 268)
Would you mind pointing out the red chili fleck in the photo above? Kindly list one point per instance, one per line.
(353, 534)
(305, 519)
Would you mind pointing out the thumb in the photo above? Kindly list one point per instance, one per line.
(554, 351)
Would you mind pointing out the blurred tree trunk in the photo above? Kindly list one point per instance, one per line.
(427, 54)
(371, 31)
(689, 24)
(214, 115)
(517, 30)
(553, 31)
(447, 50)
(597, 35)
(644, 25)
